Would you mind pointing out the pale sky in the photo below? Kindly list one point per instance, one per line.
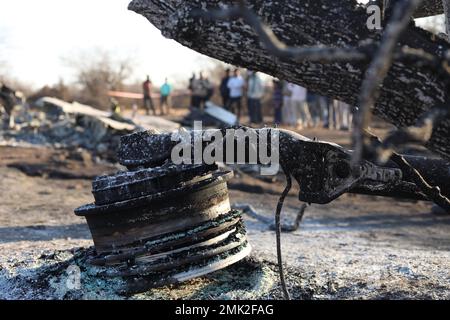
(35, 36)
(38, 34)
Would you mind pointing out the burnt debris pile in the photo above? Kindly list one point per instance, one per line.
(59, 124)
(155, 225)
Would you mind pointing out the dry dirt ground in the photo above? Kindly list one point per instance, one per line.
(358, 247)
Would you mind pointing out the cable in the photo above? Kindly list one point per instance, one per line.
(278, 234)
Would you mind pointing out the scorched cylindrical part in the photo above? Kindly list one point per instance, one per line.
(155, 226)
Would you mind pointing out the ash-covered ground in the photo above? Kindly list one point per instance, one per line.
(357, 247)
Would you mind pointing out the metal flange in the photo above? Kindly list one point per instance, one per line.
(164, 225)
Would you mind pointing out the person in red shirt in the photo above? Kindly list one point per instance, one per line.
(148, 102)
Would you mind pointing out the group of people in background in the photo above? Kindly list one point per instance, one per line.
(292, 104)
(201, 90)
(296, 107)
(232, 89)
(165, 90)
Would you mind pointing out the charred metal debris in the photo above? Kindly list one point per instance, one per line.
(160, 223)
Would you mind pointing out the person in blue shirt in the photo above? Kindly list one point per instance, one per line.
(165, 91)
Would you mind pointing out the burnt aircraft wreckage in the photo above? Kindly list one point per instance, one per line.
(160, 223)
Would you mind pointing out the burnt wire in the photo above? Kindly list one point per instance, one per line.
(278, 234)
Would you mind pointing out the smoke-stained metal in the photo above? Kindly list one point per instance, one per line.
(163, 225)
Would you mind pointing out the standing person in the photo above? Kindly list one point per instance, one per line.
(341, 116)
(197, 91)
(299, 104)
(288, 116)
(209, 90)
(236, 87)
(191, 88)
(148, 102)
(324, 103)
(224, 91)
(284, 92)
(333, 115)
(255, 91)
(314, 108)
(346, 116)
(165, 91)
(277, 100)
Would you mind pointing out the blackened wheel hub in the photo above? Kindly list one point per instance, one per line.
(162, 225)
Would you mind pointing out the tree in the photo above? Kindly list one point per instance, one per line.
(409, 89)
(98, 73)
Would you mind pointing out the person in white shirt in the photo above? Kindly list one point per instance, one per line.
(340, 116)
(298, 104)
(255, 91)
(236, 86)
(288, 118)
